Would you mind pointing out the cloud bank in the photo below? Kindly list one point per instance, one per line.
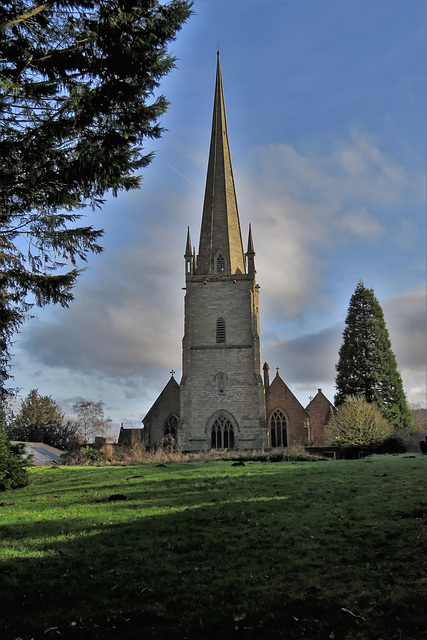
(310, 212)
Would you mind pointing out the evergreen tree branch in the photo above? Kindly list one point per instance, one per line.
(26, 15)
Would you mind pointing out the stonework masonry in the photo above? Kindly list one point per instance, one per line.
(236, 362)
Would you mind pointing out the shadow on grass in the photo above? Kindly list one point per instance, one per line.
(272, 558)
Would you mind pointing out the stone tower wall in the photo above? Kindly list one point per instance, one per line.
(237, 360)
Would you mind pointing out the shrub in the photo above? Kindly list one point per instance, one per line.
(13, 472)
(392, 445)
(108, 452)
(85, 455)
(358, 424)
(91, 454)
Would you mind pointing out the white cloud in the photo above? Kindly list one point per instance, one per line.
(304, 206)
(125, 327)
(362, 224)
(365, 172)
(127, 314)
(406, 317)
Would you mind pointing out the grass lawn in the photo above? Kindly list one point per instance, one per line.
(318, 550)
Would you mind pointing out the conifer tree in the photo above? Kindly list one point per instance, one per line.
(13, 472)
(367, 366)
(40, 419)
(13, 467)
(79, 95)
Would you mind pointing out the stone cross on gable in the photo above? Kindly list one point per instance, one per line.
(172, 373)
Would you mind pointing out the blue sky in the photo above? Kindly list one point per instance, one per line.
(326, 109)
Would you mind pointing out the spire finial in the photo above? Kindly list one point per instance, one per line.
(188, 245)
(188, 256)
(266, 370)
(250, 241)
(250, 254)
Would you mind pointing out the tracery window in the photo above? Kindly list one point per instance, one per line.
(170, 427)
(220, 330)
(278, 429)
(222, 434)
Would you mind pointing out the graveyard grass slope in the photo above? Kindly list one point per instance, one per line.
(324, 550)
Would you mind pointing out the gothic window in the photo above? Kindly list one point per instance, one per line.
(170, 427)
(220, 382)
(307, 432)
(220, 263)
(278, 435)
(220, 330)
(222, 434)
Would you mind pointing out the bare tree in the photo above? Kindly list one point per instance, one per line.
(90, 419)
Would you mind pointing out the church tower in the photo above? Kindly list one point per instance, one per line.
(222, 401)
(221, 392)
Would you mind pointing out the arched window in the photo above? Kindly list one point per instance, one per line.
(220, 330)
(222, 434)
(278, 435)
(220, 382)
(220, 263)
(307, 431)
(170, 427)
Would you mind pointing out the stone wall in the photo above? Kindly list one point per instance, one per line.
(237, 361)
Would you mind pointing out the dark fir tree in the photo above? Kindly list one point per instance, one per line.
(13, 467)
(79, 95)
(367, 365)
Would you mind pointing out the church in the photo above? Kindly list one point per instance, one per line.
(224, 401)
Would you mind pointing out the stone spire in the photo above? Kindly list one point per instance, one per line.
(220, 247)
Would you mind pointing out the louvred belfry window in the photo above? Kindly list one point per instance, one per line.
(220, 263)
(220, 330)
